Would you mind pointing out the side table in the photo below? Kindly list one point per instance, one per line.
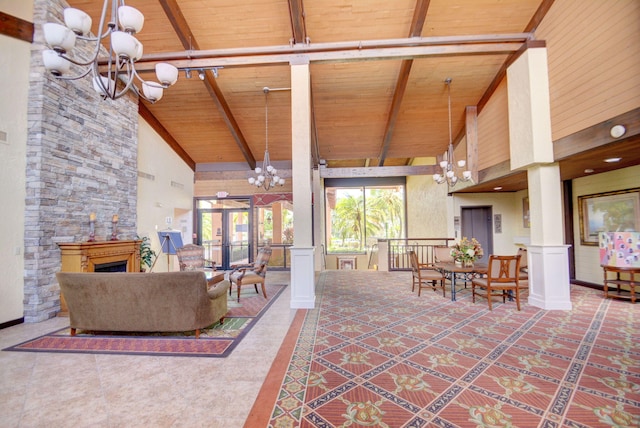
(615, 282)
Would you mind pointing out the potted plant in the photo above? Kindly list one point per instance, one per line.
(147, 255)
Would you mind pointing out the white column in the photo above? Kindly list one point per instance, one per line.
(532, 149)
(302, 259)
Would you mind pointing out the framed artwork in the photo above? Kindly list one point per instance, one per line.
(526, 213)
(608, 212)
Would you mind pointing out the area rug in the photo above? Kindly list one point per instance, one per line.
(216, 341)
(372, 353)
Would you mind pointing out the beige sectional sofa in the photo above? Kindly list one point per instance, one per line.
(142, 302)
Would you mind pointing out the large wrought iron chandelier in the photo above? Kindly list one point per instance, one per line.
(123, 50)
(267, 176)
(448, 164)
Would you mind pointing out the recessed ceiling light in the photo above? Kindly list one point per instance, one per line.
(497, 188)
(612, 160)
(588, 171)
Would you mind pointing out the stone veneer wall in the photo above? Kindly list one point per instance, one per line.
(81, 158)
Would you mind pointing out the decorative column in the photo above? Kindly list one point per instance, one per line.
(532, 149)
(302, 259)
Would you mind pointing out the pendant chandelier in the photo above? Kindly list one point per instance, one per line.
(267, 176)
(123, 51)
(448, 164)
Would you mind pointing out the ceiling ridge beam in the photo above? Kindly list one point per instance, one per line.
(417, 24)
(181, 27)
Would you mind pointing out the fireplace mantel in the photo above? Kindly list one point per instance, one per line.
(84, 256)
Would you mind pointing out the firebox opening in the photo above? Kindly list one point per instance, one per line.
(120, 266)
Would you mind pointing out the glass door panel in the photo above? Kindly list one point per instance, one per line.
(211, 236)
(237, 234)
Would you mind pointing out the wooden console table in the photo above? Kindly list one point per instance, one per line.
(615, 281)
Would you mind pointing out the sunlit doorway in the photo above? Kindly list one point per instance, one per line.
(224, 230)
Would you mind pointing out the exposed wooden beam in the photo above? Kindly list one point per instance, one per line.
(181, 27)
(471, 126)
(377, 171)
(537, 18)
(165, 135)
(417, 24)
(15, 27)
(298, 28)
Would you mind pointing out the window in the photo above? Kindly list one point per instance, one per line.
(361, 211)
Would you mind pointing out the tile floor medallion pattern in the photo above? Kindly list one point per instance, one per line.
(374, 354)
(219, 340)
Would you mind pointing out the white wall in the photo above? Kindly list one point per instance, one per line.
(165, 189)
(14, 66)
(587, 257)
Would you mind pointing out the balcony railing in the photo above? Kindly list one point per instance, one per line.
(398, 251)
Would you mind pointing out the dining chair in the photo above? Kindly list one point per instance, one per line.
(503, 280)
(424, 275)
(442, 254)
(254, 273)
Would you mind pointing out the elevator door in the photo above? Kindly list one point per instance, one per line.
(476, 223)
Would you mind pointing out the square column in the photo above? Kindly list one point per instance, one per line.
(302, 258)
(532, 149)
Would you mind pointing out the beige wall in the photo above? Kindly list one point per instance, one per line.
(165, 189)
(14, 66)
(427, 207)
(501, 203)
(587, 257)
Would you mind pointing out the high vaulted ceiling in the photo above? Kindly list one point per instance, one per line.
(377, 73)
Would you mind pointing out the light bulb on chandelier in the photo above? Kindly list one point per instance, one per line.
(124, 51)
(448, 164)
(267, 176)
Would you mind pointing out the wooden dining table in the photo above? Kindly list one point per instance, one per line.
(453, 272)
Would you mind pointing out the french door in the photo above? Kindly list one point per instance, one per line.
(226, 234)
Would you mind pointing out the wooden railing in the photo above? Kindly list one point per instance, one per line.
(398, 256)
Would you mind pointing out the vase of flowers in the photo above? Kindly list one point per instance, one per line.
(466, 252)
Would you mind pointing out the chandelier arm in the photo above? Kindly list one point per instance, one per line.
(98, 37)
(79, 76)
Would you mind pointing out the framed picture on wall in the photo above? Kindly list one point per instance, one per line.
(608, 212)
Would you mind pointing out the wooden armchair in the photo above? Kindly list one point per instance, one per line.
(503, 280)
(251, 273)
(424, 275)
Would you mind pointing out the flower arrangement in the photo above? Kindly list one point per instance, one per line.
(467, 251)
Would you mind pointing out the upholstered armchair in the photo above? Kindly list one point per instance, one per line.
(251, 273)
(191, 257)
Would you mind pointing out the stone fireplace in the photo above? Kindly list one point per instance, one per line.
(82, 155)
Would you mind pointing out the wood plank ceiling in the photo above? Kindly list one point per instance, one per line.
(373, 112)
